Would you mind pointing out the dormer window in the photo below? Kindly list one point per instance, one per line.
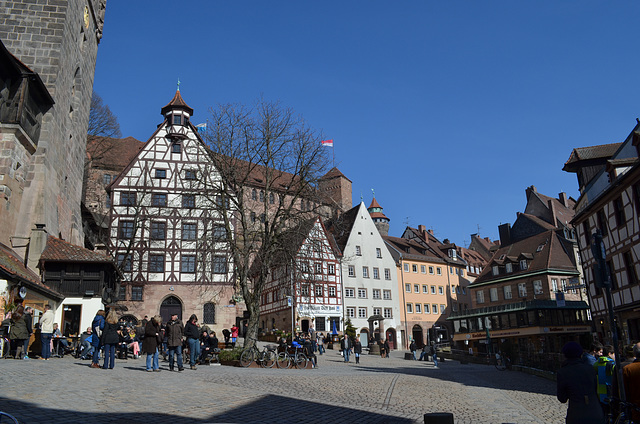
(495, 270)
(177, 119)
(523, 264)
(509, 267)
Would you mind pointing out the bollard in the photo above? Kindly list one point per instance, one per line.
(438, 418)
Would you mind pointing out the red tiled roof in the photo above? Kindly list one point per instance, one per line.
(374, 204)
(58, 250)
(13, 267)
(112, 153)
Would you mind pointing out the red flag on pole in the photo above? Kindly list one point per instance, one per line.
(327, 143)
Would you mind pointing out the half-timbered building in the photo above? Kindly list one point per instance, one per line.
(609, 181)
(166, 233)
(306, 287)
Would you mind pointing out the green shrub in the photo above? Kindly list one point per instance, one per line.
(230, 355)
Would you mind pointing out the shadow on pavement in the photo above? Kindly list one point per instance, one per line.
(267, 409)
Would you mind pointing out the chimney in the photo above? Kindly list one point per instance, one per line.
(564, 199)
(529, 190)
(505, 234)
(37, 243)
(430, 231)
(422, 229)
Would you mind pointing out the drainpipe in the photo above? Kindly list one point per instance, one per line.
(406, 328)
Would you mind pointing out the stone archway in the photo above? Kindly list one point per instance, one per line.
(418, 335)
(169, 306)
(364, 337)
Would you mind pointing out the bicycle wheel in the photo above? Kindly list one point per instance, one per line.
(268, 359)
(247, 357)
(500, 365)
(301, 360)
(283, 360)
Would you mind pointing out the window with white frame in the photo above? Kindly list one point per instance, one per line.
(493, 294)
(304, 290)
(362, 293)
(537, 287)
(554, 285)
(427, 310)
(507, 292)
(425, 288)
(480, 296)
(495, 270)
(434, 308)
(407, 287)
(406, 267)
(318, 267)
(358, 251)
(450, 270)
(349, 292)
(431, 270)
(362, 312)
(331, 269)
(378, 253)
(440, 290)
(377, 311)
(443, 309)
(508, 267)
(375, 293)
(365, 272)
(439, 271)
(423, 269)
(351, 312)
(418, 308)
(563, 282)
(352, 271)
(409, 308)
(522, 289)
(523, 264)
(332, 291)
(414, 268)
(433, 289)
(386, 294)
(319, 291)
(387, 274)
(416, 288)
(388, 313)
(376, 273)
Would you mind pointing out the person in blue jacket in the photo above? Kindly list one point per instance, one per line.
(97, 326)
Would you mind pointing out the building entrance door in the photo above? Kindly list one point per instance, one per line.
(391, 338)
(171, 305)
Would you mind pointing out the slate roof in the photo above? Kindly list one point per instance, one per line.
(58, 250)
(412, 249)
(563, 213)
(176, 103)
(554, 255)
(341, 226)
(580, 154)
(333, 173)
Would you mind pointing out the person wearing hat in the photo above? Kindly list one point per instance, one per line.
(576, 383)
(175, 332)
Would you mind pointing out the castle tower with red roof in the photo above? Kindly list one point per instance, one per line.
(379, 218)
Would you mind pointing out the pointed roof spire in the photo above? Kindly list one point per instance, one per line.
(177, 103)
(375, 210)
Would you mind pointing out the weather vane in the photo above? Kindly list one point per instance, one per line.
(178, 83)
(373, 192)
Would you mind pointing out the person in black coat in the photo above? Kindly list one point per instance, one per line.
(152, 340)
(110, 339)
(357, 350)
(192, 333)
(576, 383)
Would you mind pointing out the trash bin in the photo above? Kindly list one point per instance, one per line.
(408, 355)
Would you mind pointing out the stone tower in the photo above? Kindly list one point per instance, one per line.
(336, 189)
(379, 218)
(58, 41)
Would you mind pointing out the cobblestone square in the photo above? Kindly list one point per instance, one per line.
(394, 390)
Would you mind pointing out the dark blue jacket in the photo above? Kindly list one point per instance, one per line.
(98, 322)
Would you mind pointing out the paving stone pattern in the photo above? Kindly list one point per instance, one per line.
(394, 390)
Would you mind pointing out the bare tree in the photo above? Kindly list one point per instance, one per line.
(102, 122)
(268, 162)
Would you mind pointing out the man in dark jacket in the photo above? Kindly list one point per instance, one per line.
(151, 342)
(175, 331)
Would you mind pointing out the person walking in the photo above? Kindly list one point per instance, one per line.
(151, 343)
(413, 348)
(434, 355)
(192, 333)
(345, 346)
(357, 350)
(576, 383)
(97, 326)
(387, 348)
(175, 333)
(631, 379)
(320, 342)
(110, 339)
(46, 331)
(28, 319)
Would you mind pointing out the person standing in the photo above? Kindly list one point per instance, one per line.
(46, 331)
(357, 350)
(151, 343)
(604, 367)
(345, 346)
(18, 332)
(97, 326)
(175, 332)
(192, 334)
(593, 354)
(28, 319)
(576, 383)
(387, 348)
(320, 341)
(413, 348)
(434, 355)
(234, 335)
(631, 379)
(110, 339)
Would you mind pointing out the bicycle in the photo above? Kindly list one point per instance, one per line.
(8, 418)
(625, 408)
(266, 357)
(292, 357)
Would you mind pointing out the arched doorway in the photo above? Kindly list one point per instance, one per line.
(130, 319)
(391, 338)
(171, 305)
(418, 335)
(304, 325)
(364, 337)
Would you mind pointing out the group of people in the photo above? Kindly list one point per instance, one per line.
(19, 323)
(588, 381)
(152, 338)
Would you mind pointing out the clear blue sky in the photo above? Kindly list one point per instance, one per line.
(448, 109)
